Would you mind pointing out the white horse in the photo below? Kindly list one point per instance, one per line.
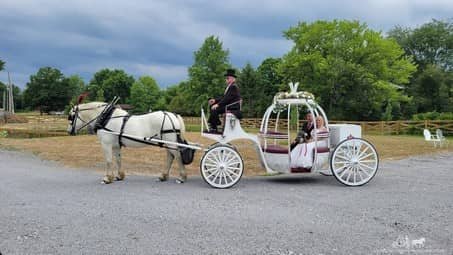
(146, 125)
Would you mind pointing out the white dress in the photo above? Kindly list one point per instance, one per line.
(302, 154)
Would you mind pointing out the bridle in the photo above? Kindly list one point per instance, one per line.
(75, 117)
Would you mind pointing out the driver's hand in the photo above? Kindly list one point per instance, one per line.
(215, 106)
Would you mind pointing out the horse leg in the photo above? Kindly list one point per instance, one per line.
(120, 174)
(164, 176)
(182, 169)
(108, 178)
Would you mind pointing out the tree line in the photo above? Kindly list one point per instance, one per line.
(355, 73)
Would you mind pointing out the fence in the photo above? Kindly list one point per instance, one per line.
(368, 127)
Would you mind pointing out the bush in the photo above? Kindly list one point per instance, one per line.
(3, 134)
(433, 116)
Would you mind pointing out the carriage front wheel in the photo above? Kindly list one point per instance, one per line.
(354, 162)
(221, 167)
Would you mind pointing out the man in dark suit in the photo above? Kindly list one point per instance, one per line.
(230, 98)
(304, 133)
(307, 127)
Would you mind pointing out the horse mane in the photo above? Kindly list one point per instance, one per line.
(81, 97)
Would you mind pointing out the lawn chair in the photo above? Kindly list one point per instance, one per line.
(431, 138)
(441, 138)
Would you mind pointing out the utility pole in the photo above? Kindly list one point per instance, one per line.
(10, 97)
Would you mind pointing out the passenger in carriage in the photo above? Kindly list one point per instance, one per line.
(305, 132)
(230, 98)
(302, 154)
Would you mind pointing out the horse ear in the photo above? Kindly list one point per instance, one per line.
(81, 97)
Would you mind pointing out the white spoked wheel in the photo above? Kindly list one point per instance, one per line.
(354, 162)
(221, 167)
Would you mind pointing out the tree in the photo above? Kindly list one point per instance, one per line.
(271, 81)
(2, 65)
(17, 96)
(429, 44)
(206, 74)
(251, 91)
(145, 94)
(177, 97)
(48, 90)
(351, 69)
(75, 81)
(432, 90)
(112, 82)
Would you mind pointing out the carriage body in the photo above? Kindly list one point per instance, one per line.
(344, 154)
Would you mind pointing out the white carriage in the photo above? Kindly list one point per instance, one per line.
(352, 160)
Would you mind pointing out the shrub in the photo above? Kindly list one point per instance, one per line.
(433, 116)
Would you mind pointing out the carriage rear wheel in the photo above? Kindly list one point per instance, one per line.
(354, 162)
(221, 167)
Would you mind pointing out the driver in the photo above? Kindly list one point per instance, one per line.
(230, 96)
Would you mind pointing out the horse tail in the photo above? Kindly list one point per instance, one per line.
(182, 127)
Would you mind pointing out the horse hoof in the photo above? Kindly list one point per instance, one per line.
(179, 181)
(121, 176)
(163, 178)
(107, 179)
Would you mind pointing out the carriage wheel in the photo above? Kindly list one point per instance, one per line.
(221, 167)
(354, 162)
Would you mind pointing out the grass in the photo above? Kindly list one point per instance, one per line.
(84, 151)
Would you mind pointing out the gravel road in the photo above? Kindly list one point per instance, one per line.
(46, 208)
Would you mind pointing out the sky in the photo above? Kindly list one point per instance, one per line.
(159, 38)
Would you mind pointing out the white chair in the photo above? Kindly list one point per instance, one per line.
(431, 138)
(441, 137)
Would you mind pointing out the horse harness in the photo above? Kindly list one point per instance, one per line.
(105, 116)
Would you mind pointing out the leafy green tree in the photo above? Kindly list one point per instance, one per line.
(351, 69)
(206, 74)
(166, 95)
(431, 43)
(17, 96)
(432, 90)
(251, 91)
(113, 83)
(48, 90)
(145, 94)
(271, 81)
(2, 65)
(431, 46)
(77, 82)
(178, 100)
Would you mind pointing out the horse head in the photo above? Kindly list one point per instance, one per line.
(84, 115)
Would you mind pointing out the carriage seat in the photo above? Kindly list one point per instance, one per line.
(233, 109)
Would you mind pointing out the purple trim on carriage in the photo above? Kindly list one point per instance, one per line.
(276, 149)
(322, 149)
(300, 170)
(269, 132)
(284, 150)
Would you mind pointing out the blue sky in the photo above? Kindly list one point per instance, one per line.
(158, 38)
